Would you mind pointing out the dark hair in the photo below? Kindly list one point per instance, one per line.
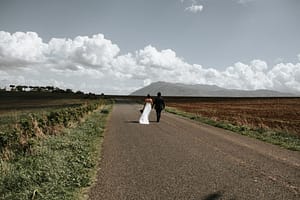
(148, 95)
(159, 94)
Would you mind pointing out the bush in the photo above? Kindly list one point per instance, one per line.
(105, 111)
(21, 137)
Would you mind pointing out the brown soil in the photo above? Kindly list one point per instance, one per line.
(281, 114)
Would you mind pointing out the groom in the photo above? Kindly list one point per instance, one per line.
(158, 105)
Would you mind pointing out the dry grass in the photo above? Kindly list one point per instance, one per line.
(280, 114)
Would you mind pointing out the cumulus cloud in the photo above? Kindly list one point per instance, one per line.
(94, 64)
(20, 49)
(94, 52)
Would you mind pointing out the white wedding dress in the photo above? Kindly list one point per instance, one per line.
(144, 119)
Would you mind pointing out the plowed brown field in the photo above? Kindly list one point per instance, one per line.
(282, 114)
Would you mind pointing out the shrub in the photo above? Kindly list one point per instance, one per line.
(22, 136)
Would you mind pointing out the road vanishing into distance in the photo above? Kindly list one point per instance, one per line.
(178, 158)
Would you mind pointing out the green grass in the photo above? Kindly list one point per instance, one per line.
(20, 132)
(285, 140)
(58, 167)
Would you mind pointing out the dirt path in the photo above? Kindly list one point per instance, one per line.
(181, 159)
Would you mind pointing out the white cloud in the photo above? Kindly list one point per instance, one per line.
(20, 49)
(285, 77)
(194, 8)
(94, 64)
(95, 52)
(166, 59)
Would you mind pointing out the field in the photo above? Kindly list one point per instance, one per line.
(21, 101)
(28, 116)
(49, 144)
(279, 114)
(52, 140)
(32, 110)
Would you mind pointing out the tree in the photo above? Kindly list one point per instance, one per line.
(79, 92)
(12, 87)
(50, 88)
(69, 91)
(19, 88)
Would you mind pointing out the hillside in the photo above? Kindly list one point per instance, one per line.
(179, 89)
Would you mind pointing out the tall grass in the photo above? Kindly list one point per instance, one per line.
(58, 167)
(19, 133)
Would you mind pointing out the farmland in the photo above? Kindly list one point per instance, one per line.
(28, 116)
(49, 143)
(21, 101)
(280, 114)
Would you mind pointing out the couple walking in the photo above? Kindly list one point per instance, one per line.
(158, 104)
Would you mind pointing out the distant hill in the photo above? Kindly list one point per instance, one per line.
(179, 89)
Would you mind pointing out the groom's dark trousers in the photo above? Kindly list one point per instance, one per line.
(159, 105)
(158, 112)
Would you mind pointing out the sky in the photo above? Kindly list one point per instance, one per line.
(118, 46)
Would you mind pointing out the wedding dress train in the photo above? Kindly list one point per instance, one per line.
(144, 119)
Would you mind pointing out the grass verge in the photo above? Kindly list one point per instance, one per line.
(59, 167)
(285, 140)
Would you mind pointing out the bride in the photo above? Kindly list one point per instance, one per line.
(144, 119)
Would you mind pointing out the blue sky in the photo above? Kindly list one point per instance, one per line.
(241, 44)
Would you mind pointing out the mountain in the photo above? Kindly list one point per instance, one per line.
(179, 89)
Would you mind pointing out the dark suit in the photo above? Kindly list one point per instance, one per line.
(159, 105)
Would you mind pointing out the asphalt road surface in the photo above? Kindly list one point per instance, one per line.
(181, 159)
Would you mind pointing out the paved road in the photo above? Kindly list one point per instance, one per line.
(181, 159)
